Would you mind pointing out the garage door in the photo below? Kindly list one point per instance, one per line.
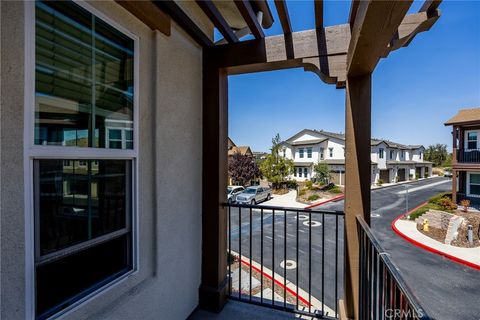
(385, 175)
(401, 175)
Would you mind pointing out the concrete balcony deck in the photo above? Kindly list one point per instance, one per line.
(235, 310)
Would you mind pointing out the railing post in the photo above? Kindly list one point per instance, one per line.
(214, 285)
(357, 180)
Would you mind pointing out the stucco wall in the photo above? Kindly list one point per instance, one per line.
(169, 177)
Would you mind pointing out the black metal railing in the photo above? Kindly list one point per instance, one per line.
(383, 294)
(468, 155)
(286, 258)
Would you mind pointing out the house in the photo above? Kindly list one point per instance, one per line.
(114, 131)
(466, 156)
(390, 161)
(243, 150)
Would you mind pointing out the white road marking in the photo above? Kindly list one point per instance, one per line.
(288, 264)
(268, 237)
(314, 223)
(424, 187)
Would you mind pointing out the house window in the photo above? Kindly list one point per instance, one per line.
(391, 154)
(83, 208)
(380, 153)
(474, 184)
(305, 172)
(322, 153)
(402, 154)
(330, 152)
(294, 172)
(309, 152)
(300, 153)
(284, 153)
(472, 140)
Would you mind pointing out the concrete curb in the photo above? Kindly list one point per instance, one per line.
(291, 288)
(428, 248)
(326, 201)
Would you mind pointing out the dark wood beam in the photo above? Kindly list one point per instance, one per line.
(319, 14)
(430, 6)
(218, 20)
(149, 14)
(353, 12)
(184, 21)
(375, 25)
(250, 18)
(282, 11)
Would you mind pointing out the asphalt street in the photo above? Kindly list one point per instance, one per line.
(445, 289)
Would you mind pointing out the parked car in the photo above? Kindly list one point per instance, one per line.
(232, 192)
(447, 173)
(254, 195)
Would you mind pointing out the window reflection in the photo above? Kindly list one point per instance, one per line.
(84, 78)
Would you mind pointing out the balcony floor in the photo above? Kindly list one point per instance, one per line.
(244, 311)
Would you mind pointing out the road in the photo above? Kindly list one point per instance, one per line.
(445, 289)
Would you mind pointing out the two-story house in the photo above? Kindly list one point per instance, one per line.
(391, 161)
(466, 156)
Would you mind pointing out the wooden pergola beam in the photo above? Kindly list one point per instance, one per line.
(218, 20)
(187, 24)
(282, 11)
(319, 14)
(250, 18)
(375, 25)
(430, 5)
(149, 14)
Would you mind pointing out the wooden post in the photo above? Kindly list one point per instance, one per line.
(454, 186)
(357, 180)
(213, 289)
(454, 144)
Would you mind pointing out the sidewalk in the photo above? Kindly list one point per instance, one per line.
(408, 230)
(284, 200)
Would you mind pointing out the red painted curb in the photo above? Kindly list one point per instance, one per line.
(329, 200)
(276, 282)
(425, 247)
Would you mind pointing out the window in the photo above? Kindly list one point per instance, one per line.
(294, 172)
(474, 184)
(472, 140)
(305, 172)
(300, 152)
(284, 153)
(330, 151)
(402, 154)
(309, 152)
(380, 153)
(322, 153)
(392, 153)
(83, 208)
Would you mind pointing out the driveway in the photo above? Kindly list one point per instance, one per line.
(284, 200)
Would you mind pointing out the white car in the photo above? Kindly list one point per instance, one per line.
(232, 192)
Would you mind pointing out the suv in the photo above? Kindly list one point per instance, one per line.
(232, 192)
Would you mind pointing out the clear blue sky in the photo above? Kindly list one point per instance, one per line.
(415, 90)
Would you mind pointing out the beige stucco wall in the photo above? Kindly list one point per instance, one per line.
(169, 179)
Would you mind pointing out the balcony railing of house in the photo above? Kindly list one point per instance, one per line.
(468, 155)
(292, 259)
(383, 294)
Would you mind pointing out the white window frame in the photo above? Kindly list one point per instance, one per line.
(33, 152)
(468, 185)
(301, 153)
(309, 154)
(467, 140)
(322, 153)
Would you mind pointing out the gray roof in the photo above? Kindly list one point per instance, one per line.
(313, 141)
(392, 162)
(341, 136)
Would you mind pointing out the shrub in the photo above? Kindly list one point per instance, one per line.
(291, 184)
(426, 175)
(313, 197)
(301, 192)
(417, 176)
(448, 204)
(309, 184)
(465, 203)
(379, 182)
(437, 199)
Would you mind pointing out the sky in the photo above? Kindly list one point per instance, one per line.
(414, 91)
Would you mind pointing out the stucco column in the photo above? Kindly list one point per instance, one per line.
(357, 179)
(213, 289)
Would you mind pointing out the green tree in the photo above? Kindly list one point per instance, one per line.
(276, 168)
(437, 154)
(322, 172)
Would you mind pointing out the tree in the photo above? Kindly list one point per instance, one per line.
(437, 154)
(276, 168)
(322, 172)
(243, 169)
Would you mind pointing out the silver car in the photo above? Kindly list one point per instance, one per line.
(232, 192)
(254, 195)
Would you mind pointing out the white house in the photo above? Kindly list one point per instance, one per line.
(391, 161)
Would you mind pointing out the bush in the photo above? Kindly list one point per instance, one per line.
(309, 184)
(417, 176)
(313, 197)
(426, 175)
(437, 199)
(301, 192)
(332, 188)
(448, 204)
(465, 203)
(442, 201)
(379, 182)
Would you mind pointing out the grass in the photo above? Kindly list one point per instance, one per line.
(434, 203)
(313, 197)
